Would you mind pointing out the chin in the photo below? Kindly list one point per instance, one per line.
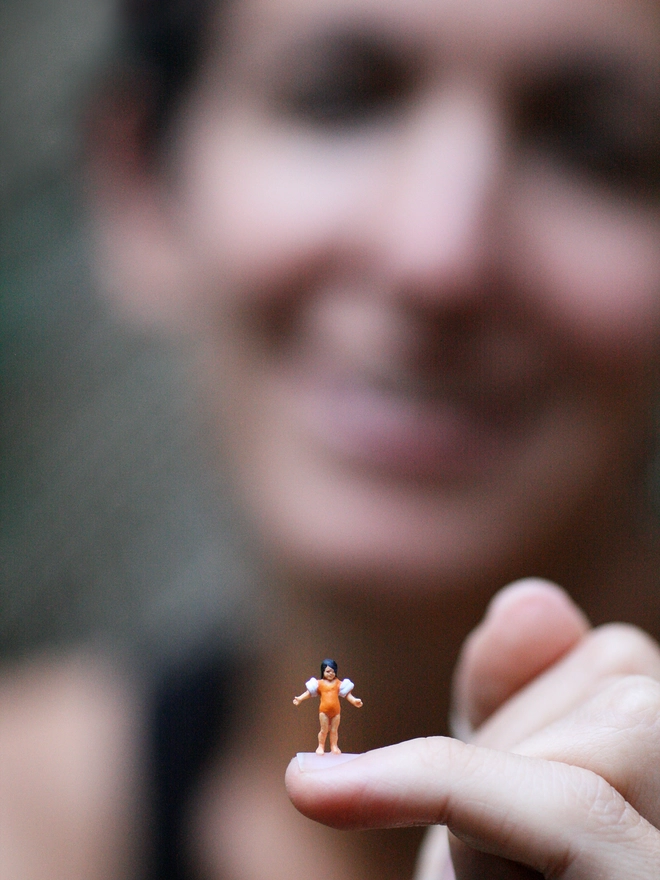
(361, 522)
(398, 539)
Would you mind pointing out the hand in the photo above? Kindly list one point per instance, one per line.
(70, 730)
(532, 662)
(576, 797)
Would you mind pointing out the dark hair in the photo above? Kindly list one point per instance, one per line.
(164, 41)
(328, 662)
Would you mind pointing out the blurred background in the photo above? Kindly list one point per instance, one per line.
(107, 529)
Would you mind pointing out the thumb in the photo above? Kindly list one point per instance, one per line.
(528, 626)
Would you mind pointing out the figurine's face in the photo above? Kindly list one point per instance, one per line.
(329, 673)
(418, 242)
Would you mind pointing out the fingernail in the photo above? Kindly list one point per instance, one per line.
(310, 761)
(512, 593)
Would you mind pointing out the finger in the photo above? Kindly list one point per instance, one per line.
(616, 734)
(437, 862)
(472, 864)
(564, 822)
(434, 860)
(611, 650)
(528, 626)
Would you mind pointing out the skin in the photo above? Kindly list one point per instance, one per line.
(428, 332)
(69, 769)
(583, 801)
(324, 267)
(329, 725)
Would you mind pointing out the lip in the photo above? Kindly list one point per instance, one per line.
(440, 437)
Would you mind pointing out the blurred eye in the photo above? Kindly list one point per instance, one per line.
(599, 121)
(343, 80)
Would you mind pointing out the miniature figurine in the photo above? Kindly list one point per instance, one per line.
(329, 688)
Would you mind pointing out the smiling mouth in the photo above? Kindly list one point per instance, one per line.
(411, 430)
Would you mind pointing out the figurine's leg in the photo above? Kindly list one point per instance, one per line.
(334, 735)
(323, 733)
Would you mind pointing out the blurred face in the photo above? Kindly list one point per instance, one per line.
(418, 241)
(329, 673)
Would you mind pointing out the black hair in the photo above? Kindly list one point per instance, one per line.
(328, 662)
(164, 41)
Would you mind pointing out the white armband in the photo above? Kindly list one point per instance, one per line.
(312, 686)
(346, 687)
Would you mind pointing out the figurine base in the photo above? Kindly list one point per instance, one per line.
(312, 761)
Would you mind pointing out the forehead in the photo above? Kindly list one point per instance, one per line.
(499, 28)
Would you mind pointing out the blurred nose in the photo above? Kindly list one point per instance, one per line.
(439, 223)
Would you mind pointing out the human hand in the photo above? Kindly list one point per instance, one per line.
(535, 665)
(578, 711)
(70, 731)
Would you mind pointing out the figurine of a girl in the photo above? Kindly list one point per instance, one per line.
(330, 689)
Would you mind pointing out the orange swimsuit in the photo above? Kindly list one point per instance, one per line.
(329, 694)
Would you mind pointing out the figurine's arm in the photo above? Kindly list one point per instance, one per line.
(345, 691)
(312, 690)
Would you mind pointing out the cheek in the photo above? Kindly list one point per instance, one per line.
(261, 205)
(593, 262)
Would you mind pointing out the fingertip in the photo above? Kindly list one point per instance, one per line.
(527, 627)
(539, 594)
(309, 779)
(294, 783)
(319, 788)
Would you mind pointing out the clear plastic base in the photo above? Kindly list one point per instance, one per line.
(312, 761)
